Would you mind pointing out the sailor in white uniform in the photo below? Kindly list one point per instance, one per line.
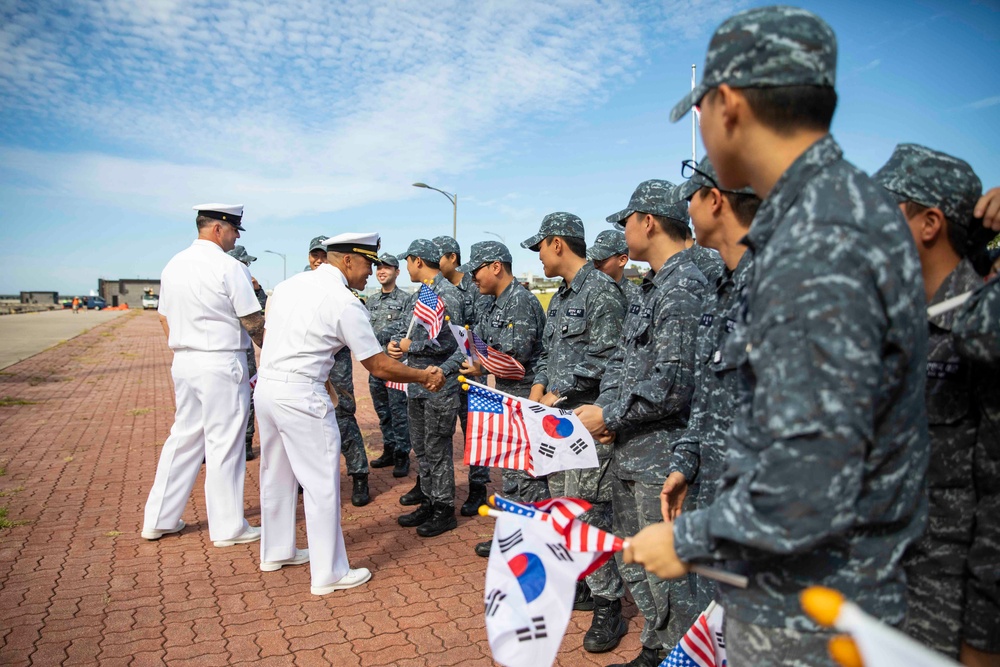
(310, 317)
(210, 313)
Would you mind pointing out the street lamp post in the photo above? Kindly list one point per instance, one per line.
(502, 239)
(284, 264)
(453, 198)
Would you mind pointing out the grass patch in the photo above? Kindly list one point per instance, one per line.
(138, 412)
(8, 523)
(11, 492)
(7, 401)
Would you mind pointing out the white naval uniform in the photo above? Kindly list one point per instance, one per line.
(203, 293)
(311, 316)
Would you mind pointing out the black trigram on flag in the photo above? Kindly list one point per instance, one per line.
(578, 446)
(537, 409)
(720, 639)
(493, 601)
(545, 449)
(560, 551)
(565, 412)
(535, 632)
(510, 541)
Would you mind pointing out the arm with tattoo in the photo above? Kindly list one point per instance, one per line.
(254, 324)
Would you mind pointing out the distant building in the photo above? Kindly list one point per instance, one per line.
(634, 273)
(126, 291)
(39, 297)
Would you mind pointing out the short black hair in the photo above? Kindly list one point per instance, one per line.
(507, 267)
(433, 265)
(958, 236)
(458, 257)
(744, 205)
(575, 244)
(787, 109)
(674, 229)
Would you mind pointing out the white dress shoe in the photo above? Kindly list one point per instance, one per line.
(354, 577)
(157, 534)
(301, 557)
(251, 534)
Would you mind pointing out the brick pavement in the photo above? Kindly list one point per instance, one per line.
(79, 586)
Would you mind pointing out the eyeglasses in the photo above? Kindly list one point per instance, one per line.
(689, 168)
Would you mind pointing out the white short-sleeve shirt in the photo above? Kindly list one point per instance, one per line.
(310, 317)
(203, 293)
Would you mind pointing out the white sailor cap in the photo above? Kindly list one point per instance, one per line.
(365, 244)
(231, 213)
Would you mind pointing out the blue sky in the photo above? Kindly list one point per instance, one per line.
(117, 116)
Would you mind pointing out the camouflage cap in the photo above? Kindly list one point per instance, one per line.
(486, 252)
(240, 254)
(931, 178)
(767, 47)
(608, 243)
(317, 243)
(388, 259)
(702, 176)
(652, 196)
(447, 245)
(424, 249)
(556, 224)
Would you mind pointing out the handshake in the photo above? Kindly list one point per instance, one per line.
(432, 378)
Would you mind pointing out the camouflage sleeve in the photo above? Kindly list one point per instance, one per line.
(445, 344)
(542, 366)
(526, 332)
(670, 382)
(981, 625)
(408, 304)
(686, 455)
(977, 325)
(605, 329)
(816, 356)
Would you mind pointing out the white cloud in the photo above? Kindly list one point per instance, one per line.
(318, 105)
(984, 103)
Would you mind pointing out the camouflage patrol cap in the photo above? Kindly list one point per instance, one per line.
(702, 176)
(608, 243)
(388, 259)
(652, 196)
(486, 252)
(317, 243)
(767, 47)
(239, 253)
(424, 249)
(931, 178)
(447, 245)
(556, 224)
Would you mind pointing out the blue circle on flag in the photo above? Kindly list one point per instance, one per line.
(530, 574)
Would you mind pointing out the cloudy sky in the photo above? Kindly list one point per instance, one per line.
(117, 116)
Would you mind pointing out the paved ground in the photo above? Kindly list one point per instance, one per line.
(80, 430)
(28, 334)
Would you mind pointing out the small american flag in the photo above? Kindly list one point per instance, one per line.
(497, 435)
(703, 644)
(429, 311)
(502, 365)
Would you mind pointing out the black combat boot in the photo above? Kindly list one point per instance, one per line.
(383, 461)
(359, 496)
(483, 549)
(417, 517)
(607, 628)
(583, 600)
(442, 521)
(414, 496)
(402, 467)
(649, 657)
(477, 497)
(250, 455)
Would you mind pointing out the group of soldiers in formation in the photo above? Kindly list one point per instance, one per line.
(795, 397)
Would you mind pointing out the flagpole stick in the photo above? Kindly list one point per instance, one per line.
(718, 574)
(466, 381)
(413, 322)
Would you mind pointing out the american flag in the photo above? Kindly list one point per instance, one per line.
(702, 645)
(429, 311)
(497, 435)
(502, 365)
(399, 386)
(253, 381)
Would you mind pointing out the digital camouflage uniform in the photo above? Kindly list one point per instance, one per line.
(708, 261)
(389, 317)
(240, 253)
(513, 324)
(352, 445)
(474, 303)
(646, 398)
(582, 327)
(608, 243)
(958, 390)
(828, 449)
(976, 329)
(432, 415)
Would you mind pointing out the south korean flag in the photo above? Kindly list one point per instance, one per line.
(530, 583)
(558, 439)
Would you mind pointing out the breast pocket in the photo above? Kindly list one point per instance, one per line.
(948, 397)
(572, 326)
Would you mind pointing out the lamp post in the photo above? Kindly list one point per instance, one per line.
(453, 198)
(284, 264)
(502, 239)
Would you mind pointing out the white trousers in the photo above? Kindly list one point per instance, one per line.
(213, 398)
(299, 445)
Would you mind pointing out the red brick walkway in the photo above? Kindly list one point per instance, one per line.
(80, 431)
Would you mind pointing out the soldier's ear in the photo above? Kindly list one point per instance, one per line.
(933, 225)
